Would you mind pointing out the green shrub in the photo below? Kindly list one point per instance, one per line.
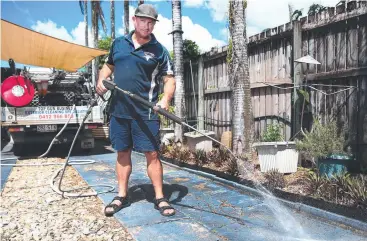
(272, 133)
(213, 157)
(357, 190)
(342, 189)
(200, 157)
(321, 141)
(184, 154)
(232, 168)
(171, 109)
(274, 179)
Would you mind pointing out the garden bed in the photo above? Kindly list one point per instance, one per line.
(304, 186)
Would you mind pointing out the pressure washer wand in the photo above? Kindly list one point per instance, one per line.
(111, 86)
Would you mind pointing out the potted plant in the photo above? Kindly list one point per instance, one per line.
(324, 146)
(275, 153)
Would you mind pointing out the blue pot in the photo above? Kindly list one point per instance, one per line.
(334, 165)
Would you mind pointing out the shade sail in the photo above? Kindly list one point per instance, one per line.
(32, 48)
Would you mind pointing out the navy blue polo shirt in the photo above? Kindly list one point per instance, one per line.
(140, 72)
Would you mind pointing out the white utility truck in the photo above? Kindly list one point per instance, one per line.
(60, 97)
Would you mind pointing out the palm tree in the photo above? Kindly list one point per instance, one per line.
(97, 14)
(242, 128)
(84, 9)
(126, 16)
(178, 65)
(113, 19)
(83, 4)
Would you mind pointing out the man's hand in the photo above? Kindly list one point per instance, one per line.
(169, 90)
(163, 103)
(101, 89)
(105, 73)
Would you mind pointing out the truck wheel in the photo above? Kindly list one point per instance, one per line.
(18, 149)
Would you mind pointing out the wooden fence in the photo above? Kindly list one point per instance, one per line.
(336, 37)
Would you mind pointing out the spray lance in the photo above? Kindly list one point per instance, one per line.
(112, 86)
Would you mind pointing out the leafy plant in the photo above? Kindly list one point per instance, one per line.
(163, 149)
(229, 51)
(340, 185)
(232, 168)
(315, 182)
(224, 154)
(342, 189)
(200, 157)
(321, 141)
(173, 151)
(213, 157)
(105, 44)
(163, 119)
(272, 133)
(184, 154)
(357, 190)
(191, 50)
(274, 179)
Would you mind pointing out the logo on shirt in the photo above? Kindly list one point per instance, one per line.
(148, 55)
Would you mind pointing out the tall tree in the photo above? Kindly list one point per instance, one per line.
(84, 9)
(178, 65)
(126, 16)
(242, 127)
(97, 14)
(113, 19)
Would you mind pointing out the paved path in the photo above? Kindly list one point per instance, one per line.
(5, 170)
(206, 209)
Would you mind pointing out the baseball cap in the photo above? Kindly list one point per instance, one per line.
(146, 10)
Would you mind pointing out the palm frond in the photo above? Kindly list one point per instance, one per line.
(101, 17)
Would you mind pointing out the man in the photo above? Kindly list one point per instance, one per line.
(138, 61)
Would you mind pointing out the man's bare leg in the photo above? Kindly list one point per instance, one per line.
(123, 170)
(155, 173)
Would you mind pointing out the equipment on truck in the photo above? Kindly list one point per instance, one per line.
(38, 102)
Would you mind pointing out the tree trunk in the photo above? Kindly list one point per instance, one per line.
(86, 32)
(242, 127)
(126, 16)
(178, 65)
(95, 64)
(113, 19)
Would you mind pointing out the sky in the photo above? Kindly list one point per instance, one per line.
(203, 21)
